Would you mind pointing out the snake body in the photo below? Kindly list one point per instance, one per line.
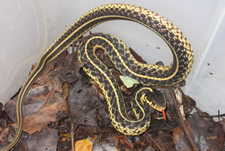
(151, 75)
(125, 63)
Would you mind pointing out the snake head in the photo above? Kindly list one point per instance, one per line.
(156, 100)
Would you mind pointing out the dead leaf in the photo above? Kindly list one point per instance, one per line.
(43, 117)
(46, 139)
(65, 137)
(123, 142)
(97, 89)
(102, 55)
(208, 135)
(125, 90)
(82, 99)
(42, 102)
(69, 69)
(188, 103)
(83, 145)
(50, 78)
(223, 124)
(4, 134)
(32, 103)
(70, 73)
(63, 126)
(165, 141)
(5, 131)
(89, 118)
(94, 138)
(65, 91)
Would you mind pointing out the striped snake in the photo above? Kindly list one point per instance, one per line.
(148, 75)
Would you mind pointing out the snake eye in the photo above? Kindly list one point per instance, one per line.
(153, 103)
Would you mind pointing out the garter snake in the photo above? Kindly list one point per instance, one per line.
(152, 74)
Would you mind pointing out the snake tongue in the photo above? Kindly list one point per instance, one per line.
(164, 114)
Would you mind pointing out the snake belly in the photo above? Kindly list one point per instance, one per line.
(160, 75)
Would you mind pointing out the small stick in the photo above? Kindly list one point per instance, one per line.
(72, 135)
(182, 122)
(198, 109)
(212, 116)
(153, 141)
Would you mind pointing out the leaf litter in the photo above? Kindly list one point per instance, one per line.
(65, 109)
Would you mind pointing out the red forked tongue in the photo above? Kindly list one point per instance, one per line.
(164, 114)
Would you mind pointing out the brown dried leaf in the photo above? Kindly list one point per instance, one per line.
(32, 103)
(104, 58)
(223, 124)
(70, 73)
(188, 103)
(208, 135)
(123, 142)
(38, 111)
(165, 141)
(65, 91)
(68, 67)
(43, 117)
(89, 118)
(82, 99)
(50, 78)
(42, 102)
(83, 145)
(4, 134)
(97, 89)
(65, 137)
(5, 131)
(46, 139)
(125, 90)
(38, 94)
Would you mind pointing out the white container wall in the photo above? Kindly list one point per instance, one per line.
(28, 27)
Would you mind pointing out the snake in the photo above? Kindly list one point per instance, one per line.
(149, 74)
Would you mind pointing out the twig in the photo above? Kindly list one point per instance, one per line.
(72, 134)
(153, 141)
(198, 109)
(182, 122)
(72, 128)
(211, 116)
(47, 98)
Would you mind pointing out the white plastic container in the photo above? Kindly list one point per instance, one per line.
(27, 28)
